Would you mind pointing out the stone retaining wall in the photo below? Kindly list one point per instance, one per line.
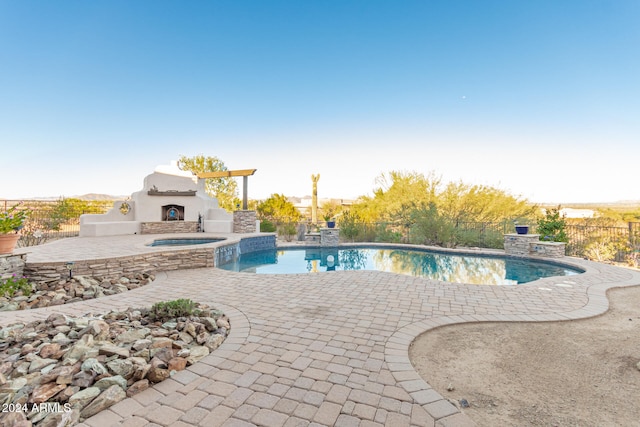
(168, 227)
(12, 264)
(118, 266)
(151, 262)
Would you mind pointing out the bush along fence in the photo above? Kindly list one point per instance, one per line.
(53, 219)
(598, 243)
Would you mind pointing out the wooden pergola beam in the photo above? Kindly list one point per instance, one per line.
(244, 173)
(226, 174)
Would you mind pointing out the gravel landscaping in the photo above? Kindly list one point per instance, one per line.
(64, 369)
(79, 288)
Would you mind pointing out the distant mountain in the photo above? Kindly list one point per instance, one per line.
(595, 205)
(95, 196)
(87, 197)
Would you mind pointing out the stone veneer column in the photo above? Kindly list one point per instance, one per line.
(244, 222)
(329, 236)
(519, 244)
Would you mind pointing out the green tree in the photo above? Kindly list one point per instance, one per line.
(552, 226)
(395, 191)
(428, 227)
(277, 208)
(399, 193)
(223, 189)
(462, 202)
(351, 225)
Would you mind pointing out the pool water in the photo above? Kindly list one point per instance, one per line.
(432, 265)
(183, 242)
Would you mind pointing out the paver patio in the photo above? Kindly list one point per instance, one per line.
(318, 349)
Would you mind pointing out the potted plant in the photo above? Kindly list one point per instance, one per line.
(521, 228)
(331, 223)
(11, 222)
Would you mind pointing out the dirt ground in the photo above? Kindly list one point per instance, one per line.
(575, 373)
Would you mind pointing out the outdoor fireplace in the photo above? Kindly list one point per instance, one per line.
(172, 213)
(171, 201)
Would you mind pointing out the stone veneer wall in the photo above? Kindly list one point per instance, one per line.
(168, 227)
(548, 249)
(329, 236)
(518, 244)
(119, 266)
(12, 264)
(244, 222)
(312, 238)
(530, 245)
(176, 259)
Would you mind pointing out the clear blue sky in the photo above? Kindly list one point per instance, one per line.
(540, 98)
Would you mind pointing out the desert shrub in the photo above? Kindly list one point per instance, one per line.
(428, 227)
(167, 310)
(386, 234)
(351, 226)
(633, 259)
(600, 250)
(552, 226)
(267, 226)
(13, 285)
(287, 231)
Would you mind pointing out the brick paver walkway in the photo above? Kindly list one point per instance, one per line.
(330, 348)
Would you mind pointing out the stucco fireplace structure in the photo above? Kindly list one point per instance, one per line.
(171, 201)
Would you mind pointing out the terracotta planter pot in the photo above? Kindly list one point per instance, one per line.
(8, 242)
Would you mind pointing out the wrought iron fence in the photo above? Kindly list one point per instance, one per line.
(599, 243)
(53, 219)
(602, 243)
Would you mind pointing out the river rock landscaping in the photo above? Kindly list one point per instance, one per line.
(79, 288)
(63, 370)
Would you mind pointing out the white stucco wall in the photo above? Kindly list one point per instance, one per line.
(148, 208)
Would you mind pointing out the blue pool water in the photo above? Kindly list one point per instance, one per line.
(181, 242)
(439, 266)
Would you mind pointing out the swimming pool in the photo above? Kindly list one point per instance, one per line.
(184, 241)
(490, 270)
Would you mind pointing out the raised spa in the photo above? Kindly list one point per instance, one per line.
(488, 270)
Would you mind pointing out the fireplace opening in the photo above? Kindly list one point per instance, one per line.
(173, 213)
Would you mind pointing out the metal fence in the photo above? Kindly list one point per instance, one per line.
(602, 243)
(599, 243)
(53, 219)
